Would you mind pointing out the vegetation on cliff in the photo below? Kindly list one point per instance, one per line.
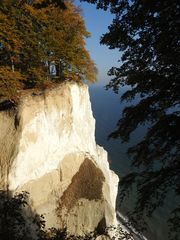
(41, 41)
(147, 34)
(19, 222)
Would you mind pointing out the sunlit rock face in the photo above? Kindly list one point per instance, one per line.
(48, 148)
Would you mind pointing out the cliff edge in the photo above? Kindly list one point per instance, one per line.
(48, 149)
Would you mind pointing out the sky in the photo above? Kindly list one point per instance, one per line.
(97, 22)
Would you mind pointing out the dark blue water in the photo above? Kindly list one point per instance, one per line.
(107, 109)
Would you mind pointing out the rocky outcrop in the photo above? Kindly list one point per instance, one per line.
(48, 148)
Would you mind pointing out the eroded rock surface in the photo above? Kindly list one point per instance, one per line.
(48, 148)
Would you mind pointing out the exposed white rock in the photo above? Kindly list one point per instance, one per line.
(48, 148)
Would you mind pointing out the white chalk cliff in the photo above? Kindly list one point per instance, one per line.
(48, 148)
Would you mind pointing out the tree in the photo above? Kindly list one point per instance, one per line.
(17, 221)
(147, 34)
(36, 34)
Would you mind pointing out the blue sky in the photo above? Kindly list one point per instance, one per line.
(97, 22)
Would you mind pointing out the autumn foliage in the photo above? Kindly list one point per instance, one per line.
(37, 35)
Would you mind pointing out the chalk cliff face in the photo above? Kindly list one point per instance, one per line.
(48, 148)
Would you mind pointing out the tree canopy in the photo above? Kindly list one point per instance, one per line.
(147, 33)
(37, 36)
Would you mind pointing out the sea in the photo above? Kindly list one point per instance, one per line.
(107, 110)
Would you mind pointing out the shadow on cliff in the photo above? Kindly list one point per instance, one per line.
(19, 222)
